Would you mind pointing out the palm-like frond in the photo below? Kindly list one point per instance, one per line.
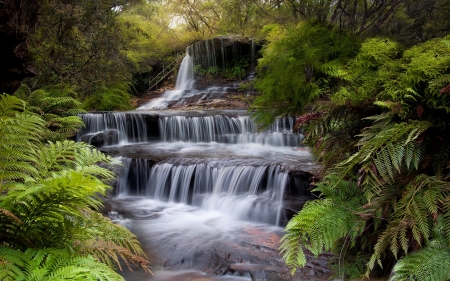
(17, 153)
(111, 243)
(47, 196)
(70, 155)
(322, 223)
(429, 263)
(51, 210)
(59, 108)
(414, 215)
(52, 264)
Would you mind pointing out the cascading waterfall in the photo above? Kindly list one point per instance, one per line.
(225, 129)
(185, 76)
(113, 128)
(185, 80)
(243, 191)
(204, 191)
(126, 128)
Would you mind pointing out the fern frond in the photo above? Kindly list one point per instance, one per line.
(52, 264)
(387, 151)
(19, 136)
(393, 236)
(11, 264)
(429, 263)
(113, 243)
(320, 225)
(413, 217)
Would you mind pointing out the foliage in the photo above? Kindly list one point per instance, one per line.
(51, 264)
(49, 197)
(429, 263)
(236, 69)
(114, 97)
(210, 71)
(58, 106)
(240, 17)
(144, 28)
(322, 222)
(299, 64)
(79, 43)
(392, 111)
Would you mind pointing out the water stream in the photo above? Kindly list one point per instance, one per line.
(206, 193)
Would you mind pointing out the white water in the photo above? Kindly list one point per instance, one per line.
(233, 188)
(126, 128)
(181, 240)
(131, 128)
(185, 76)
(210, 207)
(185, 79)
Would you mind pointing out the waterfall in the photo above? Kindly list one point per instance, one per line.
(225, 129)
(185, 80)
(113, 128)
(240, 191)
(185, 76)
(104, 129)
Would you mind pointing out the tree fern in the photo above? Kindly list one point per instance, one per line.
(114, 97)
(387, 150)
(396, 152)
(310, 52)
(110, 243)
(17, 153)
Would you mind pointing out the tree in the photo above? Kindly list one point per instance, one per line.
(79, 43)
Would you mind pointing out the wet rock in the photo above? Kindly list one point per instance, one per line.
(223, 50)
(103, 138)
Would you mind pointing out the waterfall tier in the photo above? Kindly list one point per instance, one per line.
(123, 128)
(240, 191)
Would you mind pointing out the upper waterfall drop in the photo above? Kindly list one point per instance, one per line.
(230, 60)
(185, 77)
(185, 80)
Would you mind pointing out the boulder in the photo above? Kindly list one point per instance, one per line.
(109, 137)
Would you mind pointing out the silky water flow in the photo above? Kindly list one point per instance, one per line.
(206, 193)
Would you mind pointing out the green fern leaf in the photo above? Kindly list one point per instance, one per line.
(429, 263)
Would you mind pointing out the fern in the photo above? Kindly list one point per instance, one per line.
(412, 217)
(58, 106)
(114, 244)
(114, 97)
(17, 156)
(52, 264)
(321, 224)
(48, 192)
(429, 263)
